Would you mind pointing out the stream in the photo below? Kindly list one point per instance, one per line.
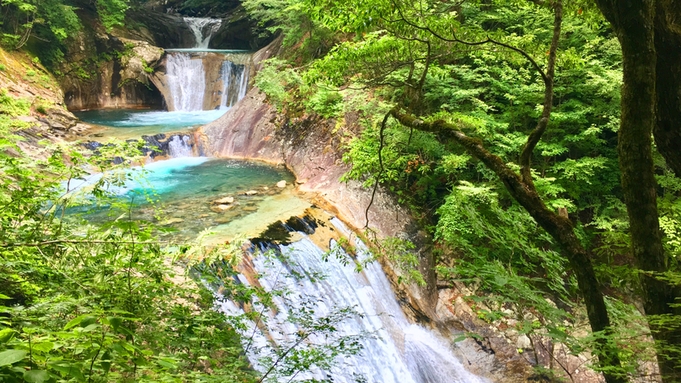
(223, 199)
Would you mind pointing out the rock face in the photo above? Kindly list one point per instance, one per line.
(118, 77)
(238, 31)
(47, 118)
(160, 29)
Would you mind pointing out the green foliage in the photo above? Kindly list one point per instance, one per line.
(398, 54)
(43, 26)
(11, 106)
(292, 19)
(112, 13)
(96, 303)
(279, 82)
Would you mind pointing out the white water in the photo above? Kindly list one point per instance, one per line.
(180, 146)
(187, 81)
(234, 83)
(394, 350)
(203, 29)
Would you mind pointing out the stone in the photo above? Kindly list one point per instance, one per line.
(224, 201)
(250, 208)
(221, 208)
(281, 184)
(251, 192)
(523, 342)
(301, 181)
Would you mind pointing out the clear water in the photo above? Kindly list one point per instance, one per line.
(135, 118)
(185, 189)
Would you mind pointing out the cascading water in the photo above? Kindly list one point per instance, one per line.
(180, 146)
(393, 349)
(186, 80)
(203, 79)
(203, 29)
(234, 83)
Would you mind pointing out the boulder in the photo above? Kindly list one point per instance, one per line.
(221, 208)
(251, 192)
(281, 184)
(224, 201)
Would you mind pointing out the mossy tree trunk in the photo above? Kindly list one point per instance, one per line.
(650, 102)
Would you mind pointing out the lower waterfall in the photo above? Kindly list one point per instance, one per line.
(180, 146)
(319, 284)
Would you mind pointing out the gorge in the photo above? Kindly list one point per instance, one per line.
(335, 191)
(199, 85)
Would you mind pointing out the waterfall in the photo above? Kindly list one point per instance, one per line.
(394, 349)
(186, 81)
(203, 29)
(234, 83)
(191, 88)
(180, 146)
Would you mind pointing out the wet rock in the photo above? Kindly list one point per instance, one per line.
(141, 56)
(221, 208)
(281, 184)
(251, 192)
(224, 201)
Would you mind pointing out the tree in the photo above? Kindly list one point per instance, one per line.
(428, 26)
(650, 103)
(420, 54)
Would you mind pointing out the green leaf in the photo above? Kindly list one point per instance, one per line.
(44, 346)
(11, 356)
(6, 335)
(71, 370)
(36, 376)
(75, 321)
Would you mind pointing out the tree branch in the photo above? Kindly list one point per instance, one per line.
(535, 136)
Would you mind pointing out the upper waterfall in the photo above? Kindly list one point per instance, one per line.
(203, 29)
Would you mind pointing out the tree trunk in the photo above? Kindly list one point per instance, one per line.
(633, 21)
(560, 228)
(667, 131)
